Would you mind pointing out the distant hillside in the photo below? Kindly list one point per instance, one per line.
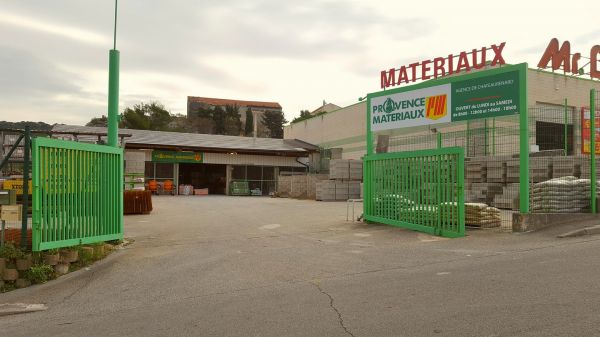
(21, 125)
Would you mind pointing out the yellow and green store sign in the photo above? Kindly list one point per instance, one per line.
(160, 156)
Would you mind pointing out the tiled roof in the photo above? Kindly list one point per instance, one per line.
(148, 138)
(222, 102)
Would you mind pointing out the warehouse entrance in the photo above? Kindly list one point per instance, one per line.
(211, 176)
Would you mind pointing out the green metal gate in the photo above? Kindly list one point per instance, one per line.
(419, 190)
(77, 193)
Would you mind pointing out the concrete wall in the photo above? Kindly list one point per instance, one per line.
(346, 128)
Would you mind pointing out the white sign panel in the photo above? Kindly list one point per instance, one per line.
(412, 108)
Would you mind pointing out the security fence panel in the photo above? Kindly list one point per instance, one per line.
(420, 190)
(77, 193)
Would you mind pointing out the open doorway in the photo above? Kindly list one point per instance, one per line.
(211, 176)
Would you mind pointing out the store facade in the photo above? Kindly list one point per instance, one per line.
(210, 163)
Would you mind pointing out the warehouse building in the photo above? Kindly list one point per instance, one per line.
(211, 163)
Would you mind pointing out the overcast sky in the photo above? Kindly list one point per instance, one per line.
(54, 54)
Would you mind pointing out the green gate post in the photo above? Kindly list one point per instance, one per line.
(593, 149)
(523, 143)
(113, 90)
(566, 133)
(26, 165)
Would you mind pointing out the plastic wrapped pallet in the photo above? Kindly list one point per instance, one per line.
(482, 215)
(345, 169)
(561, 195)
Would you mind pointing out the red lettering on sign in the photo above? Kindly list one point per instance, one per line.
(498, 54)
(438, 66)
(463, 62)
(390, 79)
(557, 56)
(425, 69)
(481, 64)
(594, 52)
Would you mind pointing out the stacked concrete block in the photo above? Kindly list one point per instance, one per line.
(496, 170)
(540, 169)
(585, 167)
(483, 192)
(135, 162)
(476, 170)
(331, 190)
(509, 198)
(565, 166)
(298, 186)
(512, 170)
(345, 169)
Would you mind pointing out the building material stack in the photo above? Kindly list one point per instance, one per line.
(481, 215)
(513, 170)
(564, 167)
(561, 195)
(540, 169)
(345, 176)
(475, 170)
(299, 186)
(509, 198)
(585, 167)
(134, 170)
(496, 170)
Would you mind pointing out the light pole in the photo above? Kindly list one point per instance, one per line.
(113, 90)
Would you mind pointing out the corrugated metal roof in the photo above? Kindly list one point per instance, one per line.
(196, 140)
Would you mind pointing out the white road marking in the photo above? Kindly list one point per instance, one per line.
(271, 226)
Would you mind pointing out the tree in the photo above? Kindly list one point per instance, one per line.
(273, 121)
(146, 116)
(218, 117)
(304, 114)
(249, 127)
(233, 124)
(98, 121)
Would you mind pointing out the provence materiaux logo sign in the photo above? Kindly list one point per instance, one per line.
(479, 97)
(412, 108)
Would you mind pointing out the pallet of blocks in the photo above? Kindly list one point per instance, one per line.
(540, 169)
(345, 169)
(475, 170)
(564, 166)
(483, 192)
(513, 170)
(496, 170)
(481, 215)
(331, 190)
(585, 167)
(509, 198)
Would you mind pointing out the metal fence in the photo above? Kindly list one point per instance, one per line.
(77, 193)
(560, 169)
(420, 190)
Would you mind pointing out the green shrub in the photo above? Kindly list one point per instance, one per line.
(10, 251)
(40, 273)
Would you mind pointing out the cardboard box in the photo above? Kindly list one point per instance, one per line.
(11, 212)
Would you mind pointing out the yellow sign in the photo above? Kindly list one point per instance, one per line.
(17, 185)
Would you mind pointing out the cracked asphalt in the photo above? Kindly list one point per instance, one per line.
(243, 266)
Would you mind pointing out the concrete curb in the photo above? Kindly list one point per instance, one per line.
(20, 308)
(580, 232)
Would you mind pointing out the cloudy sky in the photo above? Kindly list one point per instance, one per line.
(54, 54)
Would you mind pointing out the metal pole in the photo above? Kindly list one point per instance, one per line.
(26, 165)
(523, 143)
(439, 140)
(566, 132)
(593, 149)
(113, 90)
(494, 136)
